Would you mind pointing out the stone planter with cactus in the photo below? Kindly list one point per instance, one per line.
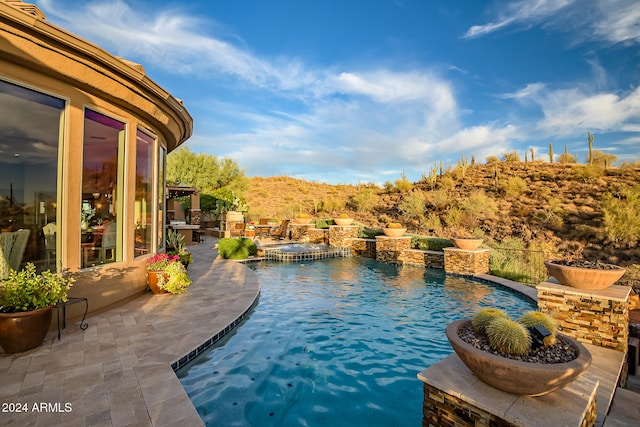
(499, 351)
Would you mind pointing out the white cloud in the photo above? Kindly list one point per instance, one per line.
(523, 12)
(572, 111)
(612, 21)
(621, 21)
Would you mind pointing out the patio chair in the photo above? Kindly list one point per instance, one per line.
(238, 230)
(281, 232)
(49, 233)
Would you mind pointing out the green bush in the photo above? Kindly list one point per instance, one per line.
(621, 219)
(412, 206)
(369, 233)
(430, 243)
(365, 200)
(514, 186)
(324, 223)
(236, 248)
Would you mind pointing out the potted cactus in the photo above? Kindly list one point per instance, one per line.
(394, 229)
(303, 218)
(343, 220)
(500, 352)
(26, 301)
(583, 274)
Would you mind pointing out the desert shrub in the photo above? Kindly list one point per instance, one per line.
(514, 186)
(446, 183)
(236, 248)
(432, 222)
(412, 206)
(439, 199)
(508, 336)
(403, 184)
(365, 199)
(477, 205)
(388, 185)
(511, 157)
(514, 261)
(492, 159)
(482, 318)
(333, 204)
(621, 219)
(453, 216)
(588, 173)
(534, 318)
(368, 233)
(567, 158)
(324, 223)
(430, 243)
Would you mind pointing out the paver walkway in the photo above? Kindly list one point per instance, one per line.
(118, 371)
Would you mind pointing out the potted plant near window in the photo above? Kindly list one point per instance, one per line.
(26, 301)
(394, 229)
(175, 246)
(166, 274)
(501, 351)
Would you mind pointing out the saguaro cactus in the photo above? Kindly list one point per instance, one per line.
(550, 152)
(590, 138)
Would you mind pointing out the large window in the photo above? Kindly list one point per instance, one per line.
(30, 135)
(102, 182)
(144, 194)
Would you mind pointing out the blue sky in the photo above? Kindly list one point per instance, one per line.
(348, 91)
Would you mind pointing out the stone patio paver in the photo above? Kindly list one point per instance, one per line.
(118, 371)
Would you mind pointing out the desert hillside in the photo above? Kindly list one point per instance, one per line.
(553, 206)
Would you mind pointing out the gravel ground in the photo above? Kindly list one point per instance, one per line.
(560, 352)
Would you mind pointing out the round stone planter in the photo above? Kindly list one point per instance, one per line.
(466, 243)
(24, 330)
(303, 221)
(513, 376)
(583, 277)
(152, 280)
(394, 232)
(343, 221)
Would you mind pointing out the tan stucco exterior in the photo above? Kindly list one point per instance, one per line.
(44, 57)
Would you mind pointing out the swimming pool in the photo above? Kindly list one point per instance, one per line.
(336, 342)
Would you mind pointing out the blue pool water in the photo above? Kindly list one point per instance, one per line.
(336, 342)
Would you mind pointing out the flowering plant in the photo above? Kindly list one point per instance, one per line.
(394, 225)
(160, 262)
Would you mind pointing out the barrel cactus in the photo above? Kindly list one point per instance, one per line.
(533, 318)
(483, 317)
(508, 336)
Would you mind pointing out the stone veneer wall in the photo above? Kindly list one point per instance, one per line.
(300, 232)
(389, 249)
(342, 236)
(443, 409)
(466, 262)
(598, 317)
(363, 247)
(318, 235)
(430, 259)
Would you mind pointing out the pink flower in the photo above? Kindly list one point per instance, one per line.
(159, 262)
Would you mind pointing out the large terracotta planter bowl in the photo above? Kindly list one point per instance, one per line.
(584, 278)
(343, 221)
(303, 221)
(24, 330)
(513, 376)
(394, 232)
(466, 243)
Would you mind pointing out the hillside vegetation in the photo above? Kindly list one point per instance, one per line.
(576, 209)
